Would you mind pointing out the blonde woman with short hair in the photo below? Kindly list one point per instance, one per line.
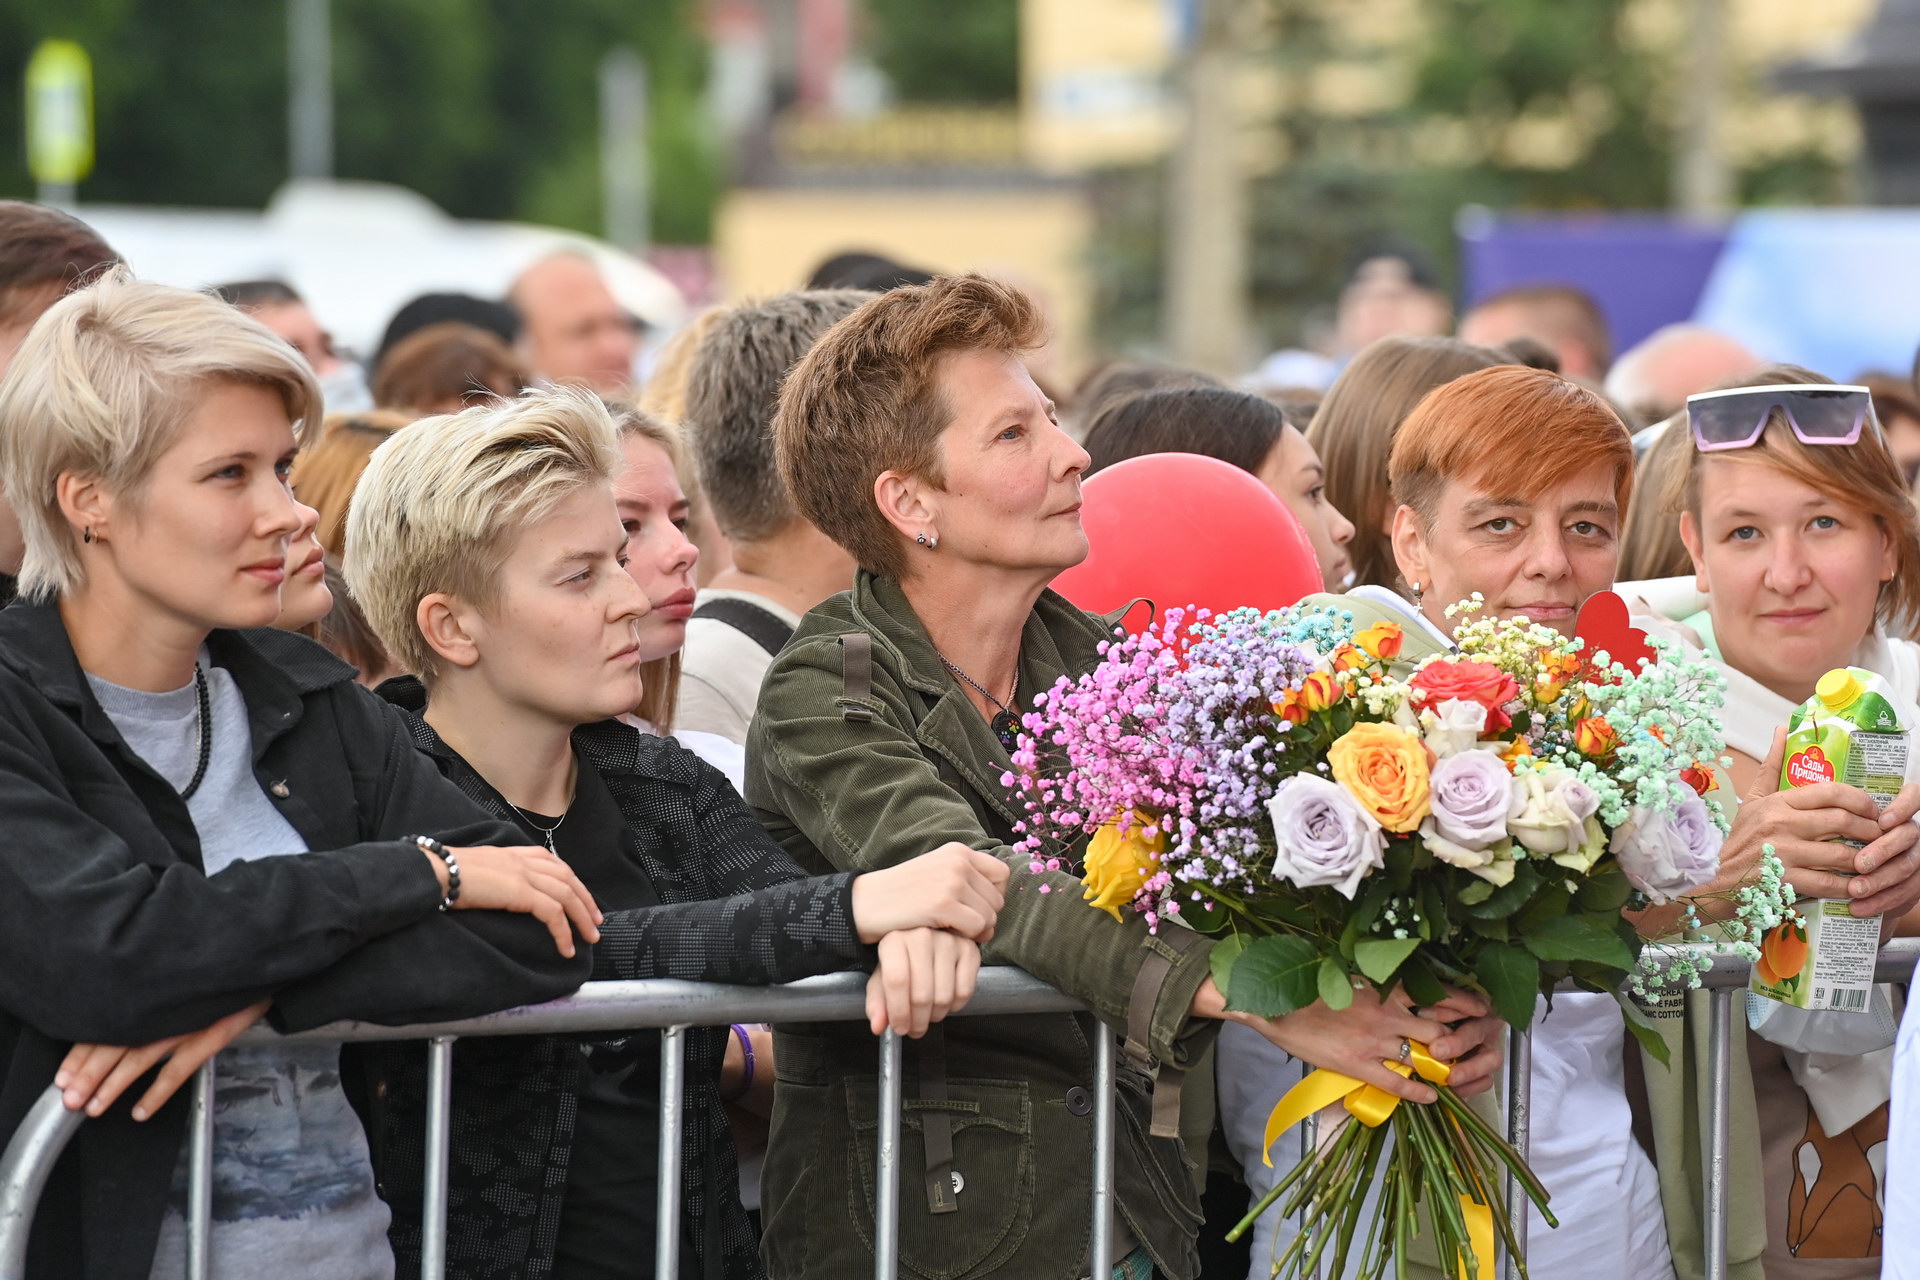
(189, 842)
(491, 556)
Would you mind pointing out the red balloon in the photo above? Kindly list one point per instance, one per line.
(1182, 529)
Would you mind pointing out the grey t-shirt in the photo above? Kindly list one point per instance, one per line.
(293, 1190)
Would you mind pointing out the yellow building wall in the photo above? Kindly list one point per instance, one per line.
(769, 241)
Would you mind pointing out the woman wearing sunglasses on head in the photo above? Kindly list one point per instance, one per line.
(1805, 549)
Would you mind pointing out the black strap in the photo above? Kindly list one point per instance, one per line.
(856, 675)
(936, 1126)
(762, 626)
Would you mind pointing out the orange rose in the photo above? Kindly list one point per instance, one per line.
(1348, 658)
(1320, 691)
(1291, 709)
(1382, 640)
(1699, 777)
(1595, 737)
(1386, 769)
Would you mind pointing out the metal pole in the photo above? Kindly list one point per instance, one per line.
(1519, 1122)
(1102, 1244)
(1309, 1149)
(886, 1164)
(433, 1199)
(623, 149)
(1720, 1106)
(309, 89)
(666, 1233)
(1703, 180)
(200, 1174)
(1205, 271)
(25, 1167)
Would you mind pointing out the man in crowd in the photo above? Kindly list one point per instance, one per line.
(782, 565)
(1567, 320)
(43, 253)
(573, 330)
(279, 306)
(1654, 379)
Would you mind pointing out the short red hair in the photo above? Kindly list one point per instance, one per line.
(1520, 430)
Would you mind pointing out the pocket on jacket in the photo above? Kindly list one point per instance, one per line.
(993, 1158)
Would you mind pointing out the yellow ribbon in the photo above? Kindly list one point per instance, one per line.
(1371, 1106)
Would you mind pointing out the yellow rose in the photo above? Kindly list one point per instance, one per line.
(1118, 864)
(1320, 690)
(1386, 769)
(1382, 640)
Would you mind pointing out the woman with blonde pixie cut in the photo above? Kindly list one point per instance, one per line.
(189, 844)
(491, 556)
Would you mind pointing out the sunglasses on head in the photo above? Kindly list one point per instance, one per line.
(1817, 412)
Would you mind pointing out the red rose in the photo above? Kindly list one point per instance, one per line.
(1480, 682)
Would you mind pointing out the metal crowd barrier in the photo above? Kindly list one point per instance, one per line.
(667, 1004)
(674, 1006)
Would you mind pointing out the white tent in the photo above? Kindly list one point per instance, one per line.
(358, 250)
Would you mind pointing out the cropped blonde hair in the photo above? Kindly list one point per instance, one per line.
(101, 388)
(439, 504)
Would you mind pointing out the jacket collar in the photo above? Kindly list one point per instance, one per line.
(275, 670)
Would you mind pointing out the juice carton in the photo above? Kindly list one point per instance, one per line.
(1847, 732)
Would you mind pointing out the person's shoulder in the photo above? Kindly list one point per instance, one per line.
(619, 750)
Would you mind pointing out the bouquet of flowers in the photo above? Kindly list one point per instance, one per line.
(1340, 819)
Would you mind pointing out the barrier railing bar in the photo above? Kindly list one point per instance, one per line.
(433, 1198)
(200, 1175)
(1309, 1146)
(886, 1161)
(1519, 1135)
(24, 1169)
(666, 1239)
(1719, 1137)
(1103, 1086)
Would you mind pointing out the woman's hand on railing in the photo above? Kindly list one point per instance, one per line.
(953, 888)
(526, 880)
(93, 1076)
(924, 975)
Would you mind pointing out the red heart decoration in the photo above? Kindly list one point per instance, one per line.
(1603, 624)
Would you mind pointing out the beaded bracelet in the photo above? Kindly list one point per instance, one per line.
(428, 844)
(746, 1052)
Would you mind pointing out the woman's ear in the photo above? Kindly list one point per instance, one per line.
(1690, 535)
(450, 629)
(85, 503)
(907, 505)
(1410, 547)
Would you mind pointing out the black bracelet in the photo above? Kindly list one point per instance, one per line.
(429, 845)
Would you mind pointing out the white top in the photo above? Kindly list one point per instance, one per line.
(721, 668)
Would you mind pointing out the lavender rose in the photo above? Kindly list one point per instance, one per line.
(1668, 854)
(1454, 726)
(1473, 797)
(1323, 835)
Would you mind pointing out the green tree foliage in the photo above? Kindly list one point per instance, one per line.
(487, 107)
(947, 50)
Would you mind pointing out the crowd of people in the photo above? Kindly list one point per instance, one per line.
(442, 683)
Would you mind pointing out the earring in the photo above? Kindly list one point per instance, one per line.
(86, 534)
(922, 539)
(930, 541)
(1416, 589)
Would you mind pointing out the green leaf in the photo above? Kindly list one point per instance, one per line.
(1512, 980)
(1379, 957)
(1604, 891)
(1552, 902)
(1336, 988)
(1275, 976)
(1475, 892)
(1424, 988)
(1495, 929)
(1643, 1029)
(1509, 897)
(1578, 938)
(1220, 961)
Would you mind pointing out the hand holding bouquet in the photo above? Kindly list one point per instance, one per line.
(1338, 818)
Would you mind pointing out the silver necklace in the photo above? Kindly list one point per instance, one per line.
(1005, 724)
(546, 833)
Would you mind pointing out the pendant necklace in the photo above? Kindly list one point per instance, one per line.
(546, 833)
(1005, 724)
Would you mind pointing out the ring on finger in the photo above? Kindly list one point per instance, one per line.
(1406, 1049)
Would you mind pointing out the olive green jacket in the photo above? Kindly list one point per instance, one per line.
(853, 774)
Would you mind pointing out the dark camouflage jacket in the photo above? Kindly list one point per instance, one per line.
(735, 909)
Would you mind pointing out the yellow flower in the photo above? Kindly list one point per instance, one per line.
(1118, 864)
(1382, 640)
(1386, 769)
(1517, 750)
(1595, 737)
(1347, 658)
(1320, 691)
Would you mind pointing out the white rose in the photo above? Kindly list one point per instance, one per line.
(1453, 726)
(1551, 810)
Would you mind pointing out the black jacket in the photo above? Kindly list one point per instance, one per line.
(734, 909)
(110, 931)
